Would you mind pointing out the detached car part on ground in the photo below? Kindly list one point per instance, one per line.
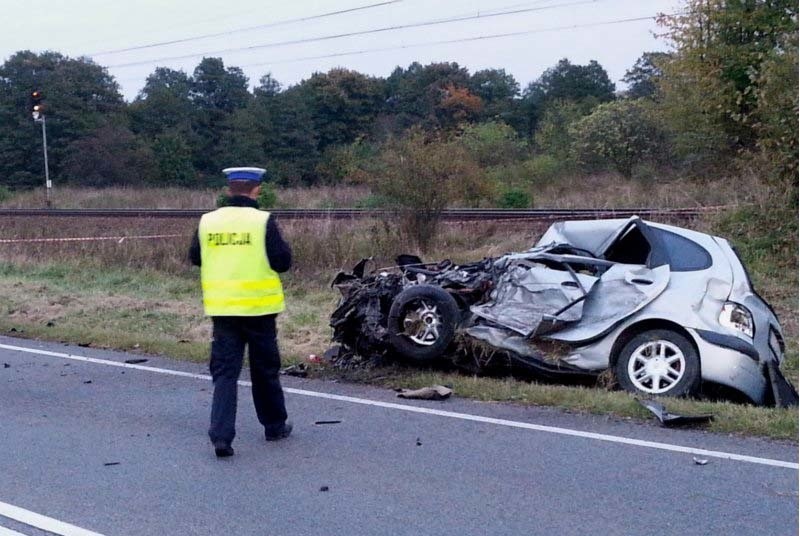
(665, 308)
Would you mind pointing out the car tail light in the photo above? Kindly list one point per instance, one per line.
(738, 317)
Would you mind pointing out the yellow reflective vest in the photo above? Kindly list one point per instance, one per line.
(234, 270)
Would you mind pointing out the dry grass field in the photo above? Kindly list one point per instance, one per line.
(597, 191)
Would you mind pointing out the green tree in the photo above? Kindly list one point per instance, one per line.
(710, 86)
(775, 119)
(554, 136)
(618, 134)
(173, 159)
(421, 176)
(642, 78)
(242, 141)
(276, 131)
(110, 155)
(499, 91)
(343, 104)
(414, 93)
(80, 96)
(290, 139)
(268, 86)
(163, 104)
(216, 93)
(349, 163)
(492, 143)
(215, 87)
(564, 82)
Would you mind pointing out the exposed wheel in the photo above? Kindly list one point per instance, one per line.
(422, 322)
(659, 362)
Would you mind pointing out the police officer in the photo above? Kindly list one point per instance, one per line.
(240, 252)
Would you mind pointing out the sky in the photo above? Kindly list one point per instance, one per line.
(256, 33)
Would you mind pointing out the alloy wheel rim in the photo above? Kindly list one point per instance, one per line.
(421, 325)
(655, 367)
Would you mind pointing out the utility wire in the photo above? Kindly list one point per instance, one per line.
(351, 34)
(246, 29)
(448, 41)
(451, 41)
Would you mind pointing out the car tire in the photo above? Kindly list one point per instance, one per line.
(422, 322)
(659, 362)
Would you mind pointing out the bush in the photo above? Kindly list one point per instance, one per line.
(373, 201)
(347, 163)
(645, 172)
(544, 168)
(492, 143)
(174, 160)
(553, 135)
(267, 197)
(515, 198)
(422, 176)
(619, 134)
(5, 193)
(111, 155)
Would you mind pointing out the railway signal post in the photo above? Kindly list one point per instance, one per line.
(37, 111)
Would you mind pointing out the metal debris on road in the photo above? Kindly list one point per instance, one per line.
(673, 419)
(699, 461)
(435, 392)
(300, 370)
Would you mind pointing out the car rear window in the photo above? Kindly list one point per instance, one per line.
(684, 254)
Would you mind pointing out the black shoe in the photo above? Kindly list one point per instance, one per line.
(223, 450)
(281, 433)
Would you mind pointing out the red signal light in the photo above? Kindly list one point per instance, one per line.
(36, 101)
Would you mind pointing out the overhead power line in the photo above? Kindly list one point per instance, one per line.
(451, 41)
(245, 29)
(357, 33)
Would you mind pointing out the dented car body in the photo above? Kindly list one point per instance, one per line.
(665, 308)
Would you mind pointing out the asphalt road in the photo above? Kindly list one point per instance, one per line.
(480, 469)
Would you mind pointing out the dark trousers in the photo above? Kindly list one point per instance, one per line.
(231, 334)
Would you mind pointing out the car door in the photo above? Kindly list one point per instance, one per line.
(639, 274)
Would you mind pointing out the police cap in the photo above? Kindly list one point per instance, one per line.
(244, 173)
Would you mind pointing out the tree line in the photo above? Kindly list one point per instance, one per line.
(724, 96)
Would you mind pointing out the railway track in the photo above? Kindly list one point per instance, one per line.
(454, 214)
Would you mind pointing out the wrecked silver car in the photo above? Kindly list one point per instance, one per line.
(664, 308)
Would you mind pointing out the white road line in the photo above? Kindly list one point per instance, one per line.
(439, 413)
(47, 524)
(8, 532)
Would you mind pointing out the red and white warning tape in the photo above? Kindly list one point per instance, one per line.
(118, 239)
